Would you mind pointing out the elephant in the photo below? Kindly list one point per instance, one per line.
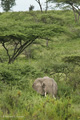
(45, 86)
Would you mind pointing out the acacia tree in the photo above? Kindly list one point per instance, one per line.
(17, 40)
(74, 4)
(7, 4)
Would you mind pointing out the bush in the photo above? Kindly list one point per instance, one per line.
(15, 72)
(10, 101)
(72, 59)
(64, 89)
(74, 80)
(76, 98)
(49, 109)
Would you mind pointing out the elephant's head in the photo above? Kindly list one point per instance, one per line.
(39, 87)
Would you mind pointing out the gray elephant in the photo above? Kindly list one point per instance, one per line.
(45, 86)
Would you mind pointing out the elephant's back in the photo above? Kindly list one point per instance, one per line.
(49, 81)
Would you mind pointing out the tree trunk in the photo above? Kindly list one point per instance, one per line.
(74, 13)
(38, 1)
(46, 6)
(18, 49)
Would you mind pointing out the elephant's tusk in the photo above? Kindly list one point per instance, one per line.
(45, 94)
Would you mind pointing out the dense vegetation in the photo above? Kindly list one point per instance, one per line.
(55, 53)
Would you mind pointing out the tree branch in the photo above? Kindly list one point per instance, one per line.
(38, 1)
(3, 44)
(20, 50)
(75, 9)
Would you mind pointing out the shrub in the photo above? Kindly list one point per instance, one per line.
(72, 59)
(16, 71)
(50, 109)
(10, 101)
(64, 89)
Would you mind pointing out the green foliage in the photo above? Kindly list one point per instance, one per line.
(24, 34)
(72, 59)
(31, 8)
(15, 72)
(11, 101)
(50, 109)
(76, 97)
(7, 4)
(74, 79)
(59, 60)
(67, 1)
(12, 104)
(64, 90)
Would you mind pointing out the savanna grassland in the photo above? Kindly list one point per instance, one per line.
(57, 57)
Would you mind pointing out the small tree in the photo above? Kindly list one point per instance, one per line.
(31, 8)
(7, 4)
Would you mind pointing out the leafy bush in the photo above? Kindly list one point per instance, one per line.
(50, 109)
(10, 101)
(64, 89)
(74, 80)
(15, 72)
(72, 59)
(76, 98)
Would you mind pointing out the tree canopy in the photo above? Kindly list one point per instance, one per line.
(16, 34)
(73, 4)
(7, 4)
(66, 1)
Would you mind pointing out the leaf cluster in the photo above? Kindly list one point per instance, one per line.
(7, 4)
